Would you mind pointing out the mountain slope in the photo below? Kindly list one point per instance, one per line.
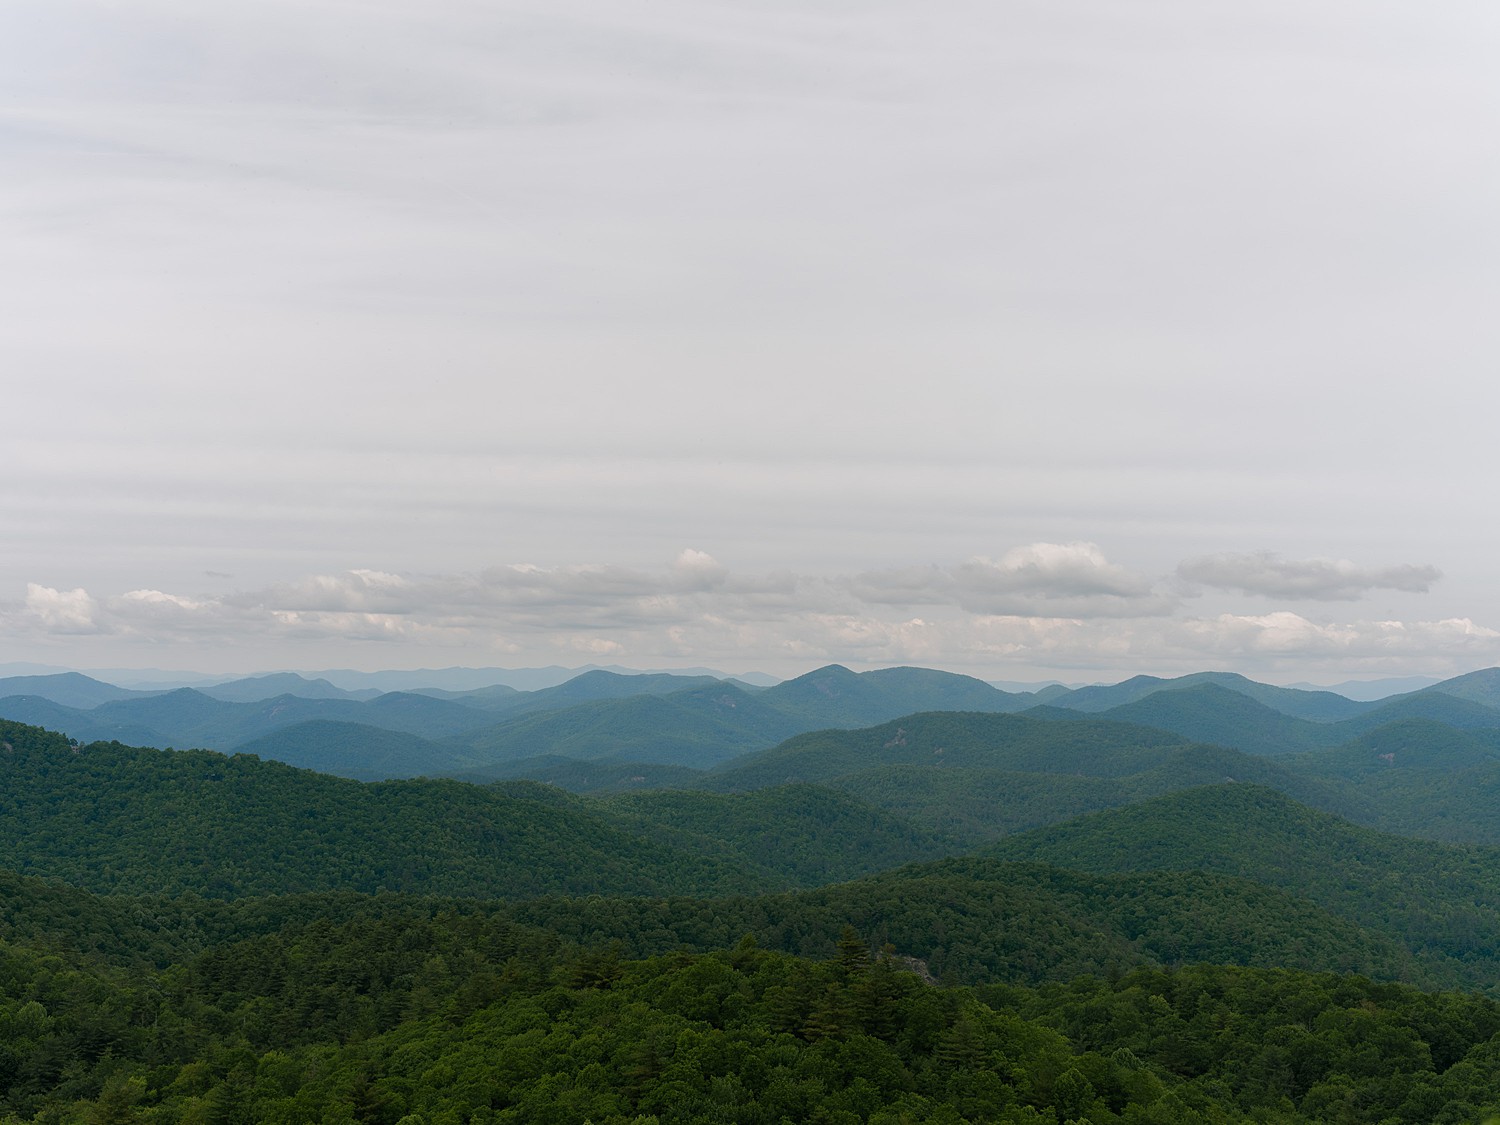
(834, 696)
(1210, 712)
(114, 818)
(1443, 900)
(973, 920)
(1314, 705)
(189, 718)
(809, 834)
(1481, 687)
(697, 727)
(979, 805)
(584, 776)
(598, 684)
(252, 689)
(357, 751)
(949, 740)
(70, 689)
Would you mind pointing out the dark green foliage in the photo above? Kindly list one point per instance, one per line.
(974, 920)
(112, 818)
(1395, 749)
(1441, 900)
(1275, 1041)
(979, 805)
(1090, 1000)
(978, 777)
(594, 775)
(805, 833)
(1415, 777)
(450, 1017)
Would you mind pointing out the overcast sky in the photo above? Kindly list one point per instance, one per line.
(1021, 339)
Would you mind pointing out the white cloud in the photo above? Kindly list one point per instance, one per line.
(1056, 580)
(1268, 574)
(699, 570)
(1290, 634)
(158, 599)
(1040, 606)
(62, 611)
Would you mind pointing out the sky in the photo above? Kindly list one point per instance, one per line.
(1029, 340)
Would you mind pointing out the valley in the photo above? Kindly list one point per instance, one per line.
(889, 896)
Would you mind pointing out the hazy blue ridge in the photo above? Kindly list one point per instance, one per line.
(1318, 706)
(70, 689)
(697, 727)
(252, 689)
(357, 750)
(189, 718)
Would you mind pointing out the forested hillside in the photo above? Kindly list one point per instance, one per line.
(112, 818)
(1157, 929)
(1443, 900)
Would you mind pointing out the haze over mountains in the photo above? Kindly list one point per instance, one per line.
(1014, 843)
(694, 721)
(944, 753)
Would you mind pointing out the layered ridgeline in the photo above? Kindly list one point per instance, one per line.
(109, 817)
(1443, 901)
(978, 777)
(339, 1006)
(659, 720)
(962, 921)
(1210, 712)
(112, 818)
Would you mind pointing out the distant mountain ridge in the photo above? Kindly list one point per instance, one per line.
(661, 718)
(252, 689)
(1208, 711)
(692, 721)
(67, 689)
(1318, 706)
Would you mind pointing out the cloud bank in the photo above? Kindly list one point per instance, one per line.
(1040, 606)
(1267, 574)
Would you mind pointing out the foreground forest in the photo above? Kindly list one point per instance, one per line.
(998, 913)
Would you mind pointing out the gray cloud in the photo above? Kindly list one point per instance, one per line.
(1037, 580)
(1267, 574)
(458, 282)
(697, 611)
